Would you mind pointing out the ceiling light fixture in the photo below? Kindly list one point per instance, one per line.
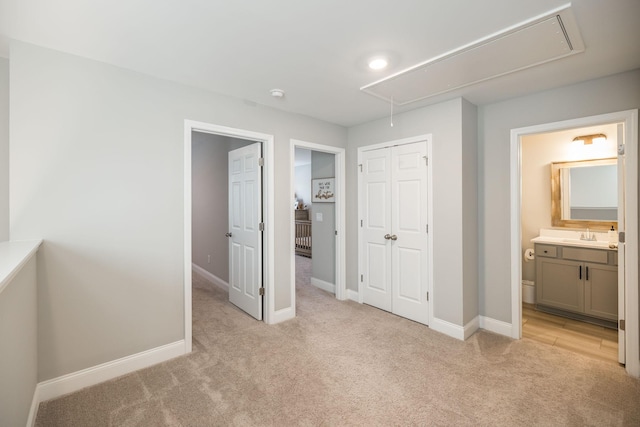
(590, 139)
(277, 93)
(378, 64)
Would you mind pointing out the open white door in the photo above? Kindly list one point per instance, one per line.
(621, 246)
(245, 236)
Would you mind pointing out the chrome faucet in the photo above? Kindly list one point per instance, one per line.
(588, 236)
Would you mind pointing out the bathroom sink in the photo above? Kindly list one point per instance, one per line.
(587, 243)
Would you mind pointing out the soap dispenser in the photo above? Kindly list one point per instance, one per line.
(613, 237)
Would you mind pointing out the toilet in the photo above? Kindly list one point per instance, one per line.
(528, 292)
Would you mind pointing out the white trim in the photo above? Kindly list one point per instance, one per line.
(75, 381)
(496, 326)
(630, 120)
(471, 327)
(268, 218)
(325, 286)
(33, 410)
(283, 315)
(211, 277)
(353, 295)
(428, 138)
(448, 328)
(340, 287)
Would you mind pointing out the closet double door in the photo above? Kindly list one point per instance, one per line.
(393, 185)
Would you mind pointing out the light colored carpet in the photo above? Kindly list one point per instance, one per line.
(342, 363)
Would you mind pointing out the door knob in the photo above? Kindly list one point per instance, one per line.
(387, 236)
(228, 234)
(394, 237)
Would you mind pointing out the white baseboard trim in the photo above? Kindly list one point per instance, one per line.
(211, 277)
(448, 328)
(353, 295)
(471, 327)
(497, 326)
(75, 381)
(33, 411)
(325, 286)
(282, 315)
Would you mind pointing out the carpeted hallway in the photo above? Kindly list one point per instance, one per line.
(342, 363)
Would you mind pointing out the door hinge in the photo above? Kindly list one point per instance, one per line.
(362, 277)
(427, 228)
(622, 325)
(336, 232)
(427, 296)
(621, 237)
(261, 292)
(261, 226)
(361, 223)
(261, 161)
(360, 166)
(426, 160)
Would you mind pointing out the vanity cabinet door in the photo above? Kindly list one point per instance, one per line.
(601, 291)
(560, 284)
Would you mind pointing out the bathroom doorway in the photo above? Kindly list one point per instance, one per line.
(621, 127)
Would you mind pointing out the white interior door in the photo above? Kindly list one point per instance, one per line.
(394, 230)
(409, 231)
(376, 224)
(245, 237)
(621, 246)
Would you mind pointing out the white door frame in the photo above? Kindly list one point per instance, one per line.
(268, 218)
(630, 120)
(340, 278)
(409, 140)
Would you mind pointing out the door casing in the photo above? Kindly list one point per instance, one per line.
(269, 315)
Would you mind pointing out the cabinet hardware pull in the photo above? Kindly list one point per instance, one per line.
(587, 268)
(580, 272)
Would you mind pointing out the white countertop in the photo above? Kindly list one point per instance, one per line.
(572, 238)
(13, 256)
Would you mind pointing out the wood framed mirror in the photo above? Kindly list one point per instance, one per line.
(584, 194)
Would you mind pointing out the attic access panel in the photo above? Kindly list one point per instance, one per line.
(532, 43)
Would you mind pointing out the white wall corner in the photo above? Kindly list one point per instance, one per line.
(448, 328)
(211, 277)
(471, 327)
(75, 381)
(497, 326)
(324, 285)
(280, 316)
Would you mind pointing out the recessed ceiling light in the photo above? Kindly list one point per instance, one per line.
(378, 63)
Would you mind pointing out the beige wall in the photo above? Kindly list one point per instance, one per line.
(538, 152)
(97, 172)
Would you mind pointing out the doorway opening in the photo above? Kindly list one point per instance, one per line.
(217, 142)
(626, 125)
(317, 217)
(559, 308)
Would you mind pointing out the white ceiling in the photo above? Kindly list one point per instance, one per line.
(316, 50)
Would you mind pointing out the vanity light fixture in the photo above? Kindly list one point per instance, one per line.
(590, 139)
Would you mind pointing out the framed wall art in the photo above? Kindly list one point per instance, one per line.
(323, 190)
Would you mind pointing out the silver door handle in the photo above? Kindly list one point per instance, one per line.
(387, 236)
(394, 237)
(228, 234)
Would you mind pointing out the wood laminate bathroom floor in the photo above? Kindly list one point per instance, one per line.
(580, 337)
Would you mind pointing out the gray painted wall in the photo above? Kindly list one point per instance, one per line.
(18, 352)
(454, 249)
(610, 94)
(323, 265)
(100, 178)
(4, 149)
(302, 186)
